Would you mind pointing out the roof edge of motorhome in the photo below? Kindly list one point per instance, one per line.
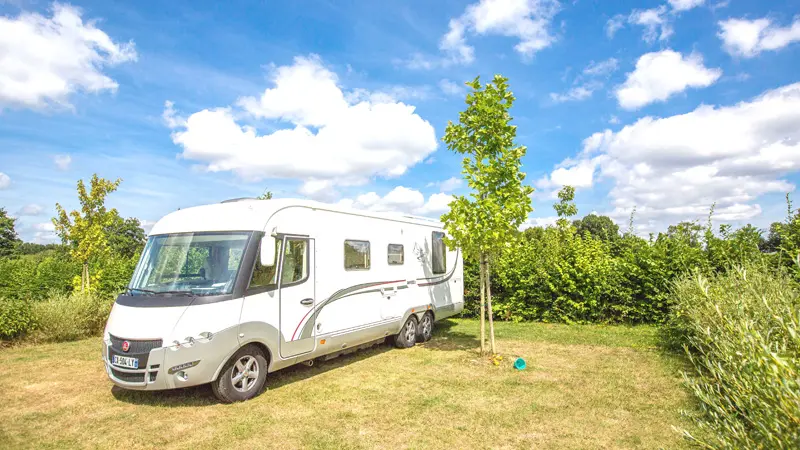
(259, 211)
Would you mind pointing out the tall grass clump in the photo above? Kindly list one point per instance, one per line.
(741, 330)
(67, 317)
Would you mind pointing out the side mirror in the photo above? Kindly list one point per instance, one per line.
(268, 247)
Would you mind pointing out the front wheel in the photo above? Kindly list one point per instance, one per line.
(243, 376)
(407, 336)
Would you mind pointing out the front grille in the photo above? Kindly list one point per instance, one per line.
(139, 349)
(128, 377)
(136, 345)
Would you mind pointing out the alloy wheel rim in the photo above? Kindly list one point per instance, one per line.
(245, 373)
(426, 325)
(411, 331)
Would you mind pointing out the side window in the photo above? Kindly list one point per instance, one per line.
(395, 254)
(356, 255)
(295, 261)
(265, 275)
(439, 253)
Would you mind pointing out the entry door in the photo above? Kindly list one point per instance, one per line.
(296, 289)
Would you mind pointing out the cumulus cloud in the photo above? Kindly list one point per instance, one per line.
(401, 200)
(527, 20)
(685, 5)
(748, 38)
(5, 181)
(31, 209)
(62, 161)
(615, 24)
(655, 22)
(46, 59)
(323, 132)
(660, 75)
(675, 168)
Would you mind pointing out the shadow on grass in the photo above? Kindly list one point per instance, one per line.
(444, 339)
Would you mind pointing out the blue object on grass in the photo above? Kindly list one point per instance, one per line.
(519, 364)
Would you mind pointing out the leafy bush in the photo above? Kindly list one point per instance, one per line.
(16, 318)
(741, 330)
(65, 317)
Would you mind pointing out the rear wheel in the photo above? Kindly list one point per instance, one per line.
(425, 328)
(407, 336)
(243, 376)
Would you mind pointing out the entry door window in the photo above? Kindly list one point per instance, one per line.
(295, 262)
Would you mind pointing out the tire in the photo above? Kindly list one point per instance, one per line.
(407, 336)
(226, 387)
(425, 328)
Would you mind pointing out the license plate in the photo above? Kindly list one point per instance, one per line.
(125, 361)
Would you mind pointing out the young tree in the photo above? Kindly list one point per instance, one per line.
(486, 221)
(8, 234)
(267, 195)
(85, 230)
(565, 208)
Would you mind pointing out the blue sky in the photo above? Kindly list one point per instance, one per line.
(668, 106)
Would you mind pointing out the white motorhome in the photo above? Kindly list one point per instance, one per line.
(226, 293)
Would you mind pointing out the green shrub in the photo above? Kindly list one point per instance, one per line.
(741, 330)
(69, 317)
(16, 318)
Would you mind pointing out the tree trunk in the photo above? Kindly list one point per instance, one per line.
(483, 305)
(489, 304)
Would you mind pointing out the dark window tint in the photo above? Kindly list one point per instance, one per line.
(395, 254)
(356, 255)
(439, 253)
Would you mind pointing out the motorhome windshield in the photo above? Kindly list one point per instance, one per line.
(195, 263)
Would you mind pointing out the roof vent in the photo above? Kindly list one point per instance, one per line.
(240, 199)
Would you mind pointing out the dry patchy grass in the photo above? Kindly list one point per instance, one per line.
(585, 387)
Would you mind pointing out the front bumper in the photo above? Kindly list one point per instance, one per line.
(198, 363)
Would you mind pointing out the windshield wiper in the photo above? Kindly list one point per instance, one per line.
(131, 290)
(189, 293)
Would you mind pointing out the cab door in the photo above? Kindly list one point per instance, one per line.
(297, 299)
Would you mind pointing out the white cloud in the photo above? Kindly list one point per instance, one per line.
(602, 68)
(685, 5)
(614, 120)
(539, 222)
(44, 233)
(586, 83)
(170, 116)
(655, 22)
(576, 93)
(615, 24)
(675, 168)
(31, 209)
(147, 225)
(401, 200)
(62, 161)
(448, 185)
(46, 59)
(660, 75)
(325, 134)
(452, 88)
(576, 174)
(748, 38)
(5, 181)
(527, 20)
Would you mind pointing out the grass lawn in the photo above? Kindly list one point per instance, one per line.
(585, 387)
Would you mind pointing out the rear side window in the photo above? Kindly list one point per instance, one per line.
(356, 255)
(395, 255)
(439, 253)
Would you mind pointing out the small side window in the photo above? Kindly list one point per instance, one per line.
(356, 255)
(439, 253)
(395, 255)
(265, 275)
